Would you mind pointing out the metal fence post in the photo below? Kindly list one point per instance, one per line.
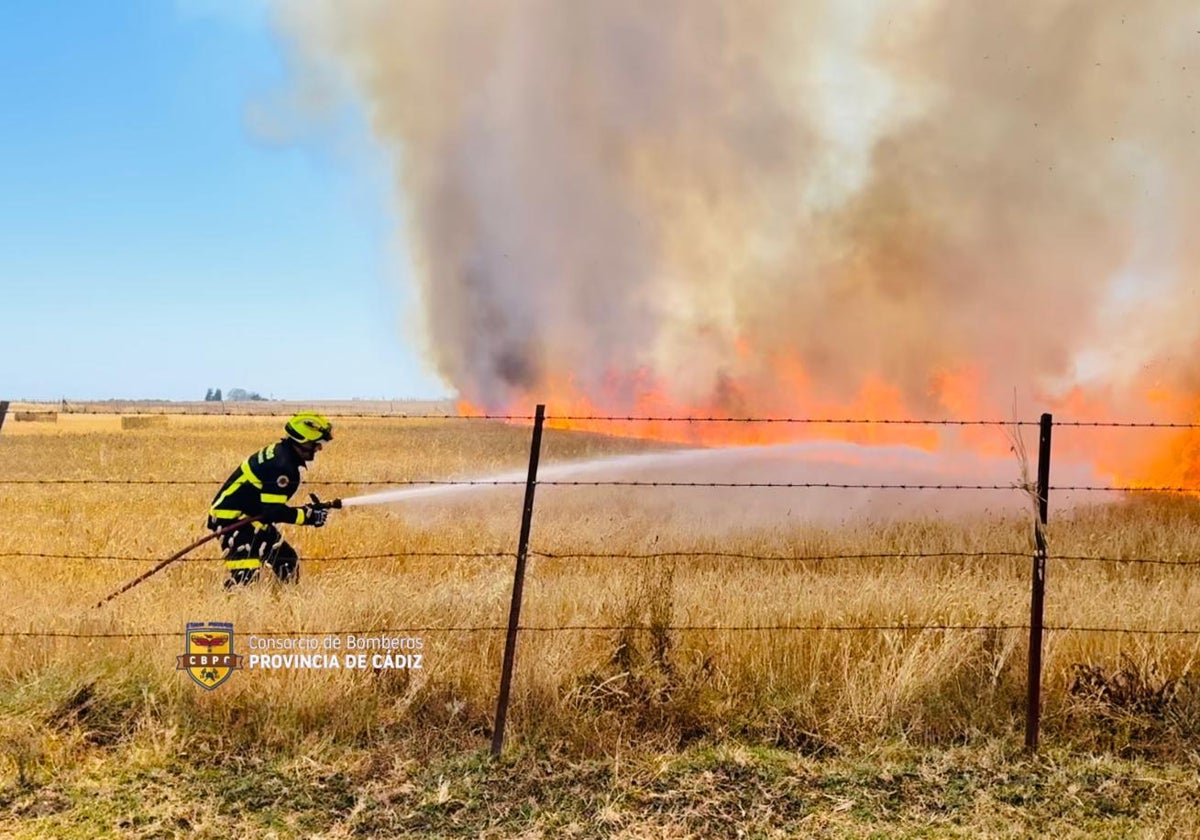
(1037, 601)
(514, 610)
(3, 411)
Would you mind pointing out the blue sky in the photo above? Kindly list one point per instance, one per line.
(154, 245)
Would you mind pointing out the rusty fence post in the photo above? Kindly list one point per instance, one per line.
(1037, 601)
(514, 610)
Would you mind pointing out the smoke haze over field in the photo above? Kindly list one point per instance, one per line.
(758, 207)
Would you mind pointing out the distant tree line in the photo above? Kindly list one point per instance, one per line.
(235, 395)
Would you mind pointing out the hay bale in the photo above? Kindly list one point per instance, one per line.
(36, 416)
(150, 421)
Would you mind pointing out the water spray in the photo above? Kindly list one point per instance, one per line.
(518, 477)
(812, 462)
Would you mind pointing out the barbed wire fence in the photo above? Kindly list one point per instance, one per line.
(614, 418)
(1039, 493)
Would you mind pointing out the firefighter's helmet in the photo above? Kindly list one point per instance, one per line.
(309, 427)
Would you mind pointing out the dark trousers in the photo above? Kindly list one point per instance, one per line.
(264, 544)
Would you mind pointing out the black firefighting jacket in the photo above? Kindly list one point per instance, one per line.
(261, 486)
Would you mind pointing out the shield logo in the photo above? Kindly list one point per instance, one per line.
(209, 658)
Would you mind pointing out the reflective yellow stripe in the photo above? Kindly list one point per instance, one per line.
(225, 514)
(249, 474)
(232, 488)
(299, 516)
(251, 563)
(273, 499)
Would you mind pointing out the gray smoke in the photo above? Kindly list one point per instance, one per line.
(754, 206)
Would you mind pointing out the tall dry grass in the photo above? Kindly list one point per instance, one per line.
(586, 691)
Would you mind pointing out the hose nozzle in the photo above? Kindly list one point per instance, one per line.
(317, 504)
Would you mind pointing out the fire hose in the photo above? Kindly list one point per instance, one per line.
(317, 504)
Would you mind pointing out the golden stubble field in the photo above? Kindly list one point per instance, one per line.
(588, 692)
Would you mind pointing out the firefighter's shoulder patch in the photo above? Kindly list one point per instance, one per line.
(282, 481)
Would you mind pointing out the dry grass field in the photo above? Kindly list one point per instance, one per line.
(612, 732)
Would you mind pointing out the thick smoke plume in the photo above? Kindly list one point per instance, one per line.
(760, 207)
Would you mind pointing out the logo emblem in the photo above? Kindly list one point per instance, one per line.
(209, 658)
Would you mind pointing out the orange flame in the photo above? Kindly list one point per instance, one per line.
(651, 414)
(1134, 457)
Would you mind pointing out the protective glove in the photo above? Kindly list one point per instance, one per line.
(315, 516)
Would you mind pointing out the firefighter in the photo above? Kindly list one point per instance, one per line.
(261, 487)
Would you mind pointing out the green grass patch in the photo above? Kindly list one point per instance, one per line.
(136, 789)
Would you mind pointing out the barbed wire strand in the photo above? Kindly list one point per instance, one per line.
(655, 555)
(795, 485)
(266, 415)
(736, 555)
(607, 418)
(325, 559)
(705, 628)
(580, 418)
(521, 483)
(841, 421)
